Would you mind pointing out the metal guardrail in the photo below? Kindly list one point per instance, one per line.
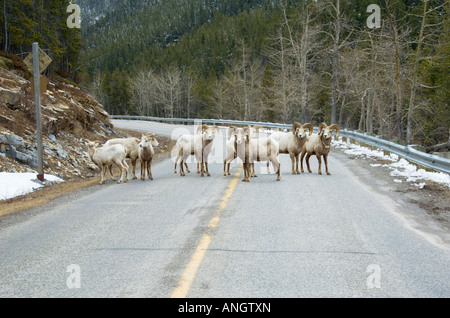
(430, 161)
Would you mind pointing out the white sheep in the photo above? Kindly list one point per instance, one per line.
(231, 145)
(105, 156)
(242, 137)
(146, 153)
(131, 145)
(292, 142)
(319, 145)
(199, 145)
(264, 149)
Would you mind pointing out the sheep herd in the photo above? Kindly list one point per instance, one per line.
(242, 142)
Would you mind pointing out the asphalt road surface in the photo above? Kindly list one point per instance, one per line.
(307, 235)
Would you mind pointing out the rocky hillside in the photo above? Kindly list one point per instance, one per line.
(69, 117)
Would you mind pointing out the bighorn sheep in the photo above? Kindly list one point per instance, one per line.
(131, 145)
(146, 153)
(236, 138)
(292, 142)
(264, 149)
(231, 145)
(199, 145)
(319, 144)
(105, 156)
(250, 149)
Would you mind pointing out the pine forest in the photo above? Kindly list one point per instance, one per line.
(383, 72)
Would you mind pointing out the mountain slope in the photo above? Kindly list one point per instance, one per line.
(127, 30)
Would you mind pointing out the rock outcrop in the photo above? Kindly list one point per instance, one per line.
(69, 117)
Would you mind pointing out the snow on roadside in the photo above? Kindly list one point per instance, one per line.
(15, 184)
(399, 166)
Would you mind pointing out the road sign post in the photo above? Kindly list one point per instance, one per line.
(37, 101)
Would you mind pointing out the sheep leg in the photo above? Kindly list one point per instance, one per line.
(187, 168)
(206, 169)
(149, 169)
(110, 172)
(268, 169)
(296, 164)
(246, 172)
(123, 167)
(181, 168)
(292, 161)
(123, 173)
(198, 167)
(102, 169)
(142, 170)
(126, 171)
(301, 160)
(325, 159)
(133, 166)
(253, 175)
(320, 164)
(225, 170)
(279, 171)
(276, 163)
(307, 163)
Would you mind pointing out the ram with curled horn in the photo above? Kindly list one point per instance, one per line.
(319, 145)
(292, 142)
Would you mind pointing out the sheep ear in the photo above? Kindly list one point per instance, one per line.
(218, 130)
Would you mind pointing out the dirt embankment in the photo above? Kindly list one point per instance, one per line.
(70, 117)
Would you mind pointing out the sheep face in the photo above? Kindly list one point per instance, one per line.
(239, 135)
(209, 132)
(92, 146)
(301, 131)
(148, 139)
(326, 131)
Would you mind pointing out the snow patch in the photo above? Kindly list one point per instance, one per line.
(399, 166)
(15, 184)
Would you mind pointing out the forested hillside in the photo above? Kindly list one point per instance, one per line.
(23, 22)
(264, 60)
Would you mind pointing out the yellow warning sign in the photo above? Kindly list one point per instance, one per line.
(44, 61)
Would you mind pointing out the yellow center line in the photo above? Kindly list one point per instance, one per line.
(191, 269)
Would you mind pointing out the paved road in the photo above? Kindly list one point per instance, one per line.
(342, 235)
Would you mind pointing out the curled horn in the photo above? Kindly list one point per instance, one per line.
(295, 126)
(218, 130)
(309, 126)
(322, 126)
(335, 127)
